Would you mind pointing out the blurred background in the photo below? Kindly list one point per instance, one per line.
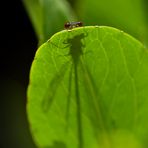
(18, 46)
(25, 24)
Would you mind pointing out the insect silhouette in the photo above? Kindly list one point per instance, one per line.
(75, 46)
(71, 25)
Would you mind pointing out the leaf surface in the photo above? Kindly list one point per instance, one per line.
(89, 89)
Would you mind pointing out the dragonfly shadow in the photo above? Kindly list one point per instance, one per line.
(75, 51)
(76, 48)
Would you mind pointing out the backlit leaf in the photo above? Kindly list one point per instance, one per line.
(89, 89)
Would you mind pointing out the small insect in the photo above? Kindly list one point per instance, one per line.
(71, 25)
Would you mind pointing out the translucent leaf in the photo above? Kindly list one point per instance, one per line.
(89, 89)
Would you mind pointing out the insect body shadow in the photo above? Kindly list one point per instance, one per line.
(76, 51)
(76, 46)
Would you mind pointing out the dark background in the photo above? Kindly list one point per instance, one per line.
(18, 46)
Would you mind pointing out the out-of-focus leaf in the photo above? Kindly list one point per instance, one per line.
(127, 15)
(48, 16)
(34, 10)
(89, 89)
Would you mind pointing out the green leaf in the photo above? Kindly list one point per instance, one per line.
(128, 15)
(89, 89)
(48, 16)
(34, 10)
